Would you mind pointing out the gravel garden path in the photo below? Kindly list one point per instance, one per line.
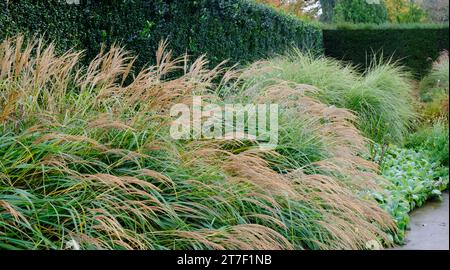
(429, 227)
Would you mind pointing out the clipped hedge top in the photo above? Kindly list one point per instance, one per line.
(414, 47)
(238, 30)
(387, 26)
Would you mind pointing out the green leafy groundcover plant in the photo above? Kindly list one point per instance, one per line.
(435, 138)
(412, 179)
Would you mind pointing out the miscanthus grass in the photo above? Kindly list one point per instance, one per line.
(86, 161)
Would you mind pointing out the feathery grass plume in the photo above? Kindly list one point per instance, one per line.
(340, 161)
(86, 162)
(33, 84)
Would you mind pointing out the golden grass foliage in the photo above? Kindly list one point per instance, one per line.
(85, 156)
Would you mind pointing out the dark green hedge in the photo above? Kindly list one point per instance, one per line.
(239, 30)
(416, 48)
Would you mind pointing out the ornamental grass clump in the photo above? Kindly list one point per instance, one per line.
(380, 97)
(437, 81)
(384, 103)
(434, 91)
(87, 161)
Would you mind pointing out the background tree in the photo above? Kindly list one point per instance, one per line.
(405, 11)
(327, 10)
(360, 11)
(301, 8)
(273, 3)
(437, 10)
